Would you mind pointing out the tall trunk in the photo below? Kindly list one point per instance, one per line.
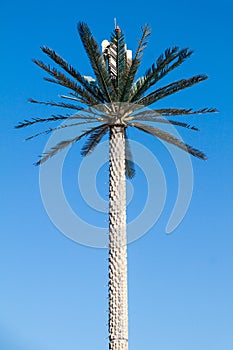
(118, 295)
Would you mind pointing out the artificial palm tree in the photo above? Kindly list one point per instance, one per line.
(116, 100)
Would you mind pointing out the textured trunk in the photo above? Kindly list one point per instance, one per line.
(118, 295)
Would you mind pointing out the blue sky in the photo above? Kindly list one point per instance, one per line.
(54, 292)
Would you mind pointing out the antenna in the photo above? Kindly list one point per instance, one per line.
(115, 23)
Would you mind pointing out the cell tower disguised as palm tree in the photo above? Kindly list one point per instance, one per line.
(116, 100)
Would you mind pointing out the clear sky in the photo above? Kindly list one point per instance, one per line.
(53, 291)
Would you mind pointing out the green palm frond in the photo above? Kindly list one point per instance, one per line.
(170, 89)
(117, 60)
(93, 139)
(63, 80)
(129, 163)
(55, 118)
(48, 131)
(56, 104)
(72, 96)
(163, 135)
(77, 90)
(182, 111)
(132, 71)
(165, 121)
(159, 70)
(94, 91)
(63, 144)
(169, 112)
(177, 123)
(27, 122)
(97, 62)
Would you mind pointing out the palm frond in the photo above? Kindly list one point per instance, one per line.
(94, 91)
(63, 144)
(177, 123)
(142, 43)
(93, 139)
(163, 135)
(27, 122)
(55, 118)
(72, 87)
(182, 111)
(162, 67)
(63, 80)
(165, 121)
(73, 96)
(56, 104)
(169, 112)
(116, 58)
(170, 89)
(129, 163)
(48, 131)
(97, 61)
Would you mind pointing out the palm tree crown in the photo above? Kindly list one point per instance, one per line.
(115, 96)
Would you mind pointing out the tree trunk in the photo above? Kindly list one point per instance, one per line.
(118, 294)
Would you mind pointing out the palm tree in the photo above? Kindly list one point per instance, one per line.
(116, 100)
